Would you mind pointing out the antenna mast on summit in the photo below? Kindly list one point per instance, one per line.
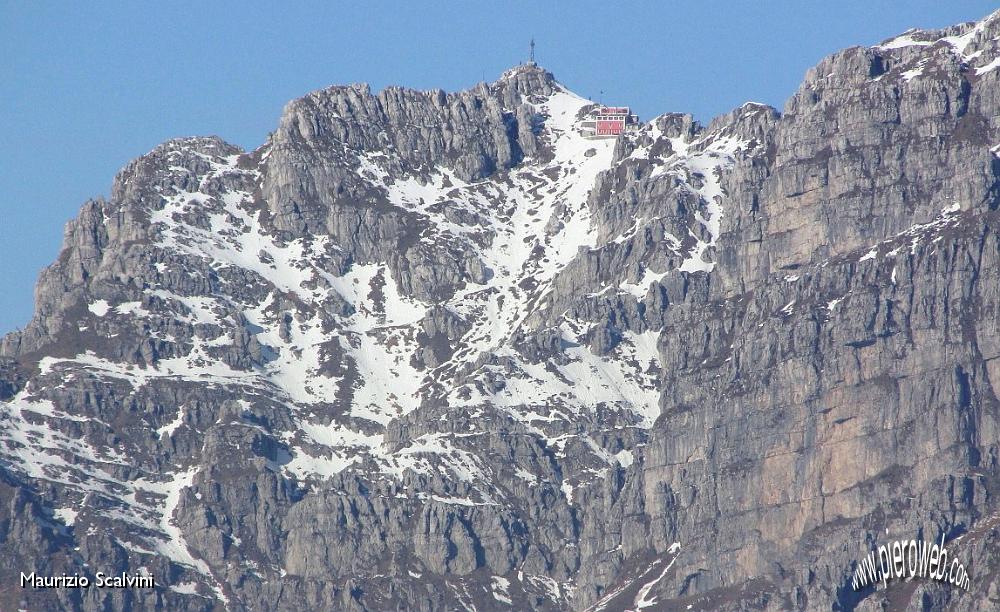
(531, 55)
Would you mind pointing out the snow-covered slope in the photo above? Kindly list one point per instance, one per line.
(341, 351)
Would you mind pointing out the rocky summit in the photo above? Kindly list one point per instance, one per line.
(446, 351)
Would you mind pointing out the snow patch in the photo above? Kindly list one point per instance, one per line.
(501, 590)
(66, 515)
(99, 308)
(625, 458)
(168, 430)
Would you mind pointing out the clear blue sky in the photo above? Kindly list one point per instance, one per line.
(85, 87)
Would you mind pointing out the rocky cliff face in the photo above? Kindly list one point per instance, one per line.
(440, 351)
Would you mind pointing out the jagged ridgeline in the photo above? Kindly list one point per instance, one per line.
(433, 351)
